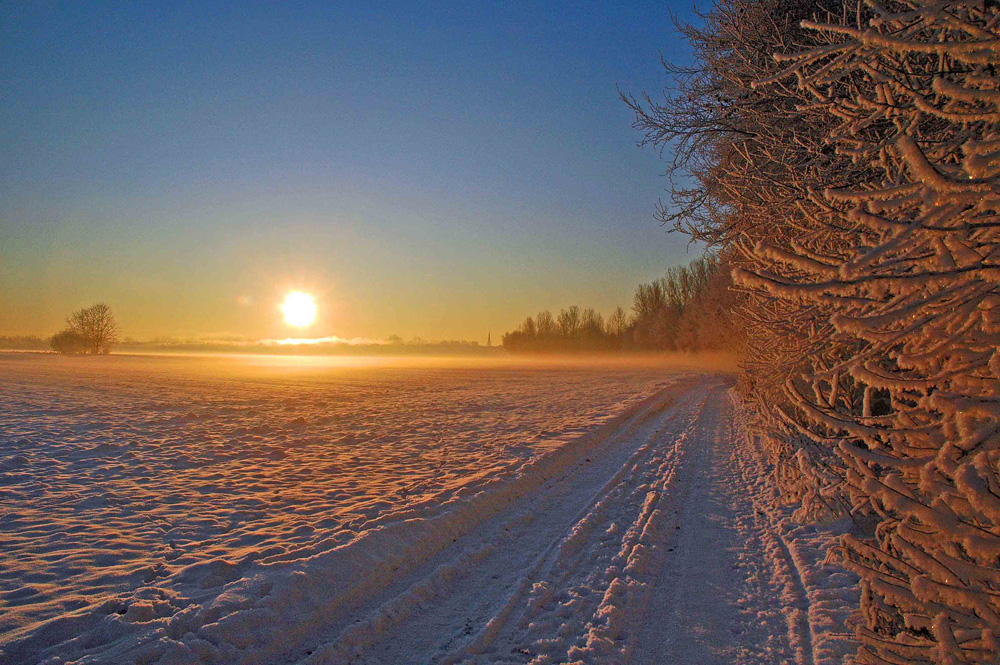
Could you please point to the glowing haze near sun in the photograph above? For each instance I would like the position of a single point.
(299, 309)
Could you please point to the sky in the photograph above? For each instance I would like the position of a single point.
(439, 170)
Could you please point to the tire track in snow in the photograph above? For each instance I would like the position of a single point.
(825, 594)
(593, 574)
(787, 571)
(714, 600)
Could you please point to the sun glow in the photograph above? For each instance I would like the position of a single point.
(299, 309)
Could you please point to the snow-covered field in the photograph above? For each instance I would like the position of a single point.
(270, 510)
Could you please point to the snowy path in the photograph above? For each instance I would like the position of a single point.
(716, 599)
(647, 549)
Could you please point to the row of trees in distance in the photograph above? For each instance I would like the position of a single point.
(685, 310)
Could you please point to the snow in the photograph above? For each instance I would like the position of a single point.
(256, 510)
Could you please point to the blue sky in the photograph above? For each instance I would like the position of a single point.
(432, 169)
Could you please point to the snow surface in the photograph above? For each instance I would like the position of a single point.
(256, 510)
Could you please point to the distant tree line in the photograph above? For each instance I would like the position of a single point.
(23, 342)
(685, 310)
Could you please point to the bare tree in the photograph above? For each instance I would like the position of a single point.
(649, 298)
(569, 321)
(96, 326)
(618, 323)
(591, 324)
(528, 327)
(545, 324)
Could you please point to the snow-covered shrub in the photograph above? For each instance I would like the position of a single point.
(68, 341)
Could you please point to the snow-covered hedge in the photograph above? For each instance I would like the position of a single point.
(865, 228)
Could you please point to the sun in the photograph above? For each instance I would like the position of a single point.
(299, 309)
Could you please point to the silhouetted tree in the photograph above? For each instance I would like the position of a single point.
(618, 323)
(649, 299)
(569, 321)
(591, 327)
(546, 325)
(94, 327)
(528, 327)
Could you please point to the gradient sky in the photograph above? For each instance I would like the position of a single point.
(432, 169)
